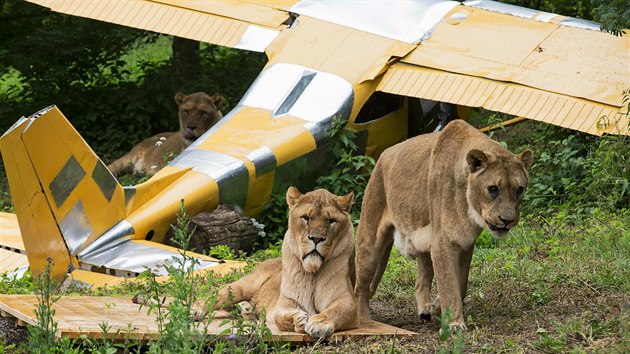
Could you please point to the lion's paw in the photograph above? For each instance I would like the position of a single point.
(300, 320)
(457, 326)
(319, 328)
(245, 309)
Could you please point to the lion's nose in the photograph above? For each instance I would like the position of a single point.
(191, 127)
(316, 239)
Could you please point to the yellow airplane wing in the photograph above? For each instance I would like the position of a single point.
(249, 25)
(533, 64)
(518, 61)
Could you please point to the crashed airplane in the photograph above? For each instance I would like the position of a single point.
(378, 66)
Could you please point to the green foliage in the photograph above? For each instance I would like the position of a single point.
(450, 345)
(10, 284)
(577, 174)
(42, 335)
(179, 333)
(274, 216)
(614, 15)
(352, 170)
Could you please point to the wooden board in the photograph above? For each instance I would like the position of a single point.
(84, 315)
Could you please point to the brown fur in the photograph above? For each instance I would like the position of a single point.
(198, 112)
(431, 197)
(313, 292)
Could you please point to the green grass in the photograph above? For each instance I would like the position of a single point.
(549, 286)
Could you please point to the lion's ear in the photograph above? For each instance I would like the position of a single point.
(476, 159)
(293, 196)
(179, 98)
(345, 202)
(218, 99)
(527, 158)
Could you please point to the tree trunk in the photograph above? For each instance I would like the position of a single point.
(185, 64)
(222, 226)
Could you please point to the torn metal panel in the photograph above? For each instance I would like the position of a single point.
(407, 21)
(136, 257)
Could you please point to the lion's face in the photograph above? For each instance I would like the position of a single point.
(319, 225)
(495, 189)
(197, 113)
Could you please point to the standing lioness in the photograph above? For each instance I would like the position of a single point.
(431, 196)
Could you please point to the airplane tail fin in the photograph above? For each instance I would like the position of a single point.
(64, 195)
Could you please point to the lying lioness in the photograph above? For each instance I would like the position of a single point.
(431, 196)
(198, 112)
(308, 289)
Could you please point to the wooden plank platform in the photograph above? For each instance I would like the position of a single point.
(83, 315)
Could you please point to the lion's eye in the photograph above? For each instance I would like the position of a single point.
(494, 191)
(332, 221)
(305, 218)
(519, 191)
(185, 113)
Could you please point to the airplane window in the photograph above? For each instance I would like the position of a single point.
(379, 105)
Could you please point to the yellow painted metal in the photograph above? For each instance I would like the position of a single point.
(64, 143)
(253, 128)
(165, 18)
(354, 55)
(156, 216)
(565, 60)
(243, 10)
(383, 132)
(38, 226)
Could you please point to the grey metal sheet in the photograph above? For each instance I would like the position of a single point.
(405, 20)
(75, 227)
(256, 38)
(136, 257)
